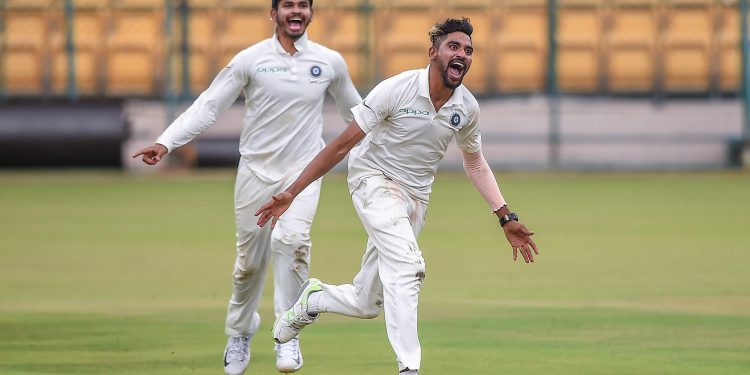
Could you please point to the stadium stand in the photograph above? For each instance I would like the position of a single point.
(130, 55)
(645, 47)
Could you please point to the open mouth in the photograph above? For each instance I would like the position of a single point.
(295, 24)
(456, 69)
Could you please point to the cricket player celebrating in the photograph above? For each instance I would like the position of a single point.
(284, 80)
(405, 125)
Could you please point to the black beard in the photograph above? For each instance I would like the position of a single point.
(448, 83)
(294, 36)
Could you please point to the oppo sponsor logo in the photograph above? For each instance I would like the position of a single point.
(410, 111)
(274, 69)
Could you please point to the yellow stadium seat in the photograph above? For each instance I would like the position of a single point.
(257, 4)
(138, 4)
(241, 28)
(729, 53)
(406, 4)
(631, 47)
(402, 40)
(204, 4)
(468, 4)
(90, 4)
(686, 44)
(521, 45)
(579, 29)
(27, 41)
(341, 29)
(29, 4)
(204, 52)
(134, 49)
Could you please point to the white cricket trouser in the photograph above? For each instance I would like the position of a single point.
(288, 246)
(392, 268)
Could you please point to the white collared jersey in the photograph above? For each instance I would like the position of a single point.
(283, 123)
(406, 138)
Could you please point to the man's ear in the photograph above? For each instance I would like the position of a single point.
(432, 52)
(273, 15)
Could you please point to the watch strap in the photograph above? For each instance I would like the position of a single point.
(506, 218)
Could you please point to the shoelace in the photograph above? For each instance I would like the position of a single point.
(238, 348)
(288, 349)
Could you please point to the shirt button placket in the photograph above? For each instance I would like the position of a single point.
(293, 68)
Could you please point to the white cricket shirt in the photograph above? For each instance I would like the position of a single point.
(283, 124)
(406, 138)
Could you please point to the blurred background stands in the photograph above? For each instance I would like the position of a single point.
(631, 74)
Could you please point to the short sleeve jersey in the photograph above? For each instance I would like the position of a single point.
(283, 125)
(406, 138)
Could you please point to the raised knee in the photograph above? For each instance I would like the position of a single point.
(371, 308)
(370, 313)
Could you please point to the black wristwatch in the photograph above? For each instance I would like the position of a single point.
(506, 218)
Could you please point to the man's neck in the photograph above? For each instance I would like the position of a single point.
(287, 43)
(439, 93)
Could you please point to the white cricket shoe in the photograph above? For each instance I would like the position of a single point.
(290, 322)
(237, 352)
(236, 355)
(288, 356)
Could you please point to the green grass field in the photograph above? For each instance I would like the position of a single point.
(105, 273)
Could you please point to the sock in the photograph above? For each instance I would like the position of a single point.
(313, 303)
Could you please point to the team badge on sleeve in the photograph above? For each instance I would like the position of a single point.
(455, 119)
(315, 71)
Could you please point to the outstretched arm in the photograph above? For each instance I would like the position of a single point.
(483, 179)
(220, 95)
(327, 158)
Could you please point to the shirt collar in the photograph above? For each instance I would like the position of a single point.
(300, 44)
(424, 89)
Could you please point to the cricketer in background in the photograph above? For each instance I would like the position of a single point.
(284, 80)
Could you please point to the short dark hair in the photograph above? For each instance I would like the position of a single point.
(450, 25)
(275, 3)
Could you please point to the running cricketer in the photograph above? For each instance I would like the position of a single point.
(284, 80)
(405, 125)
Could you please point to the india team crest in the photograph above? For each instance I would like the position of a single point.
(315, 71)
(455, 119)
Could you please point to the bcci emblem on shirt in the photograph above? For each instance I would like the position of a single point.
(455, 119)
(315, 71)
